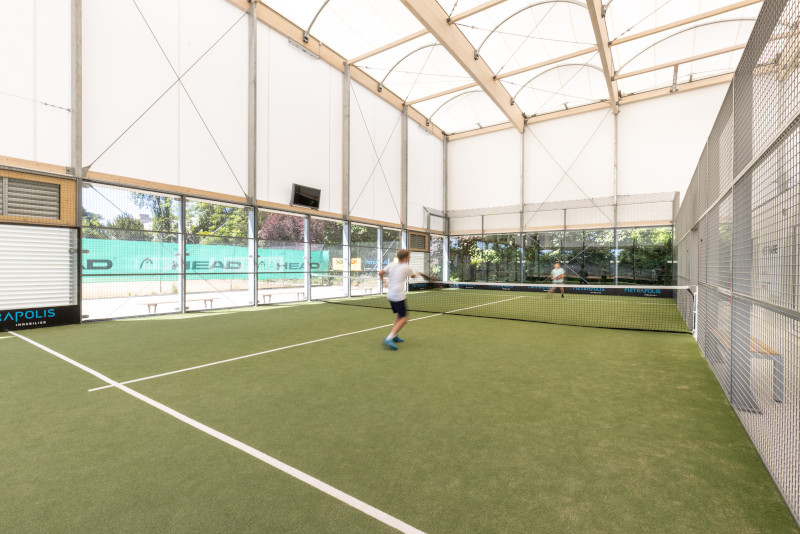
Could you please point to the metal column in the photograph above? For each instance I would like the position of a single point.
(76, 131)
(252, 181)
(346, 143)
(404, 170)
(522, 208)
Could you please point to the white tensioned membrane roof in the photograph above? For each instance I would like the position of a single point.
(545, 53)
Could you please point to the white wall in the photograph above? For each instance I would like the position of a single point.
(35, 81)
(137, 121)
(375, 150)
(484, 171)
(660, 140)
(299, 123)
(425, 174)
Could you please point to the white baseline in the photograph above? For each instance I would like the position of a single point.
(371, 511)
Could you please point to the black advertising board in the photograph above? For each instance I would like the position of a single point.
(36, 317)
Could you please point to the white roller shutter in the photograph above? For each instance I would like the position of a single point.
(37, 267)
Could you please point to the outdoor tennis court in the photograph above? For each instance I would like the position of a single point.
(474, 425)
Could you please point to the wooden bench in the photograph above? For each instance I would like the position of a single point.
(266, 298)
(758, 350)
(152, 307)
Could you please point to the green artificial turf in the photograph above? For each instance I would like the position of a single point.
(575, 309)
(474, 425)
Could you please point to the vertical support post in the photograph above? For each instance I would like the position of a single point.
(446, 220)
(616, 199)
(307, 255)
(346, 143)
(522, 207)
(380, 257)
(252, 181)
(76, 131)
(346, 258)
(404, 170)
(182, 253)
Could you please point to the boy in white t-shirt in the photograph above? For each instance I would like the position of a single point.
(396, 293)
(557, 274)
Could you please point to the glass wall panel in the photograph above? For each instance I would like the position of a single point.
(130, 261)
(542, 250)
(645, 255)
(437, 256)
(364, 259)
(219, 272)
(588, 256)
(327, 244)
(490, 258)
(392, 242)
(281, 257)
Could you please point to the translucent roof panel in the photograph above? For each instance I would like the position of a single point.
(516, 33)
(350, 27)
(416, 69)
(624, 17)
(458, 112)
(565, 85)
(687, 72)
(682, 43)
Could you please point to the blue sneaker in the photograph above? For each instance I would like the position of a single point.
(389, 343)
(397, 339)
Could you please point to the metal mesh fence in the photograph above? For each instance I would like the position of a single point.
(739, 227)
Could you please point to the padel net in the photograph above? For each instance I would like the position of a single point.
(633, 307)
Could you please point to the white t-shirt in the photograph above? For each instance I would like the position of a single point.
(397, 274)
(558, 275)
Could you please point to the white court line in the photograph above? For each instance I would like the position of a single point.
(6, 337)
(371, 511)
(292, 346)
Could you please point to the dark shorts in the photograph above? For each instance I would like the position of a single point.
(399, 308)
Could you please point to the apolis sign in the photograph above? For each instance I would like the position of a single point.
(35, 317)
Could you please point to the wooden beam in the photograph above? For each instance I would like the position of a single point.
(595, 8)
(680, 62)
(683, 22)
(666, 91)
(433, 17)
(33, 165)
(481, 131)
(629, 99)
(443, 93)
(407, 38)
(389, 46)
(280, 24)
(547, 62)
(475, 10)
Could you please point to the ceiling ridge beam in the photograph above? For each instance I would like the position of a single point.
(434, 18)
(629, 99)
(680, 61)
(596, 14)
(407, 38)
(683, 22)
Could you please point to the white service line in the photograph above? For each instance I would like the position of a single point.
(371, 511)
(5, 337)
(292, 346)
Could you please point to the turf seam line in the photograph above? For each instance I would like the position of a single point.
(341, 496)
(194, 368)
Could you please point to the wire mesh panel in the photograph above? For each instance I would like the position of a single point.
(748, 325)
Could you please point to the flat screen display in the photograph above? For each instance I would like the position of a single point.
(304, 196)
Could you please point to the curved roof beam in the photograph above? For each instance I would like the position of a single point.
(380, 84)
(581, 65)
(670, 36)
(434, 18)
(684, 22)
(535, 4)
(307, 33)
(450, 100)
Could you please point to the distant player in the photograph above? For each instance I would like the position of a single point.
(396, 293)
(557, 275)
